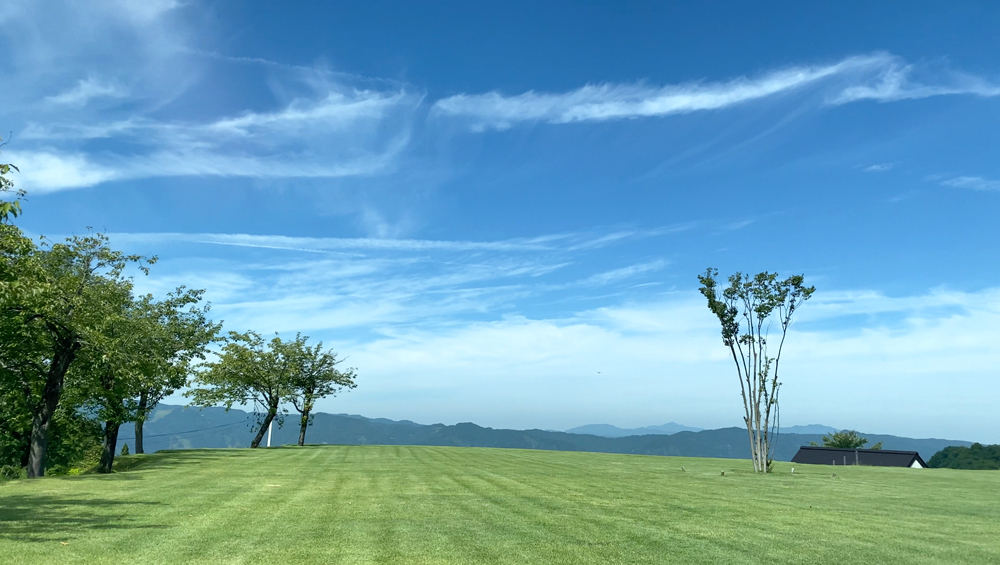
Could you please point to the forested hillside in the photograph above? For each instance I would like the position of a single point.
(976, 456)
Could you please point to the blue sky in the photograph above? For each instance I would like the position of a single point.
(498, 212)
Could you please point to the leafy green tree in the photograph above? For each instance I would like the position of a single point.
(24, 358)
(75, 344)
(846, 439)
(144, 344)
(747, 309)
(57, 296)
(314, 375)
(182, 334)
(107, 368)
(249, 370)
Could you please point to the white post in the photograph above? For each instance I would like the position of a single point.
(269, 428)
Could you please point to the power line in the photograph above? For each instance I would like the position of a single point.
(144, 436)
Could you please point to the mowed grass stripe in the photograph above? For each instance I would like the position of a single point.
(406, 504)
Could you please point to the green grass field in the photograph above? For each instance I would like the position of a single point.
(389, 504)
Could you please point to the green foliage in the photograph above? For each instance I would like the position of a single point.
(56, 298)
(976, 456)
(143, 350)
(124, 449)
(75, 440)
(75, 340)
(249, 370)
(314, 375)
(74, 437)
(10, 472)
(177, 335)
(746, 310)
(847, 439)
(9, 208)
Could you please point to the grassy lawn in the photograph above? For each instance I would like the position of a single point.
(389, 504)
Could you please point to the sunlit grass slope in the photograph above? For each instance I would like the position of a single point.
(376, 504)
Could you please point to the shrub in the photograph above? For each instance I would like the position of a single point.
(57, 470)
(10, 472)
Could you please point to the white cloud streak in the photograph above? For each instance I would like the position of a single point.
(44, 171)
(878, 168)
(880, 77)
(123, 97)
(339, 135)
(567, 242)
(369, 282)
(973, 183)
(895, 82)
(616, 275)
(84, 91)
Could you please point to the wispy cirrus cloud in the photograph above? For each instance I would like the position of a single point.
(878, 168)
(86, 90)
(623, 273)
(895, 81)
(368, 283)
(881, 77)
(973, 183)
(564, 242)
(124, 97)
(341, 134)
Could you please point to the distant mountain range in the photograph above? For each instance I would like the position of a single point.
(809, 429)
(178, 427)
(607, 430)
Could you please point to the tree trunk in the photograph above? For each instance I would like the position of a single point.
(271, 412)
(143, 400)
(138, 436)
(47, 407)
(753, 449)
(303, 424)
(110, 442)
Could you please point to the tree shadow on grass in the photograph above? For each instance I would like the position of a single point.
(44, 518)
(171, 459)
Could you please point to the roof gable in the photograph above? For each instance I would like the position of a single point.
(873, 457)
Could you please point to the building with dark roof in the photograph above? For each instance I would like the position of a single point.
(873, 457)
